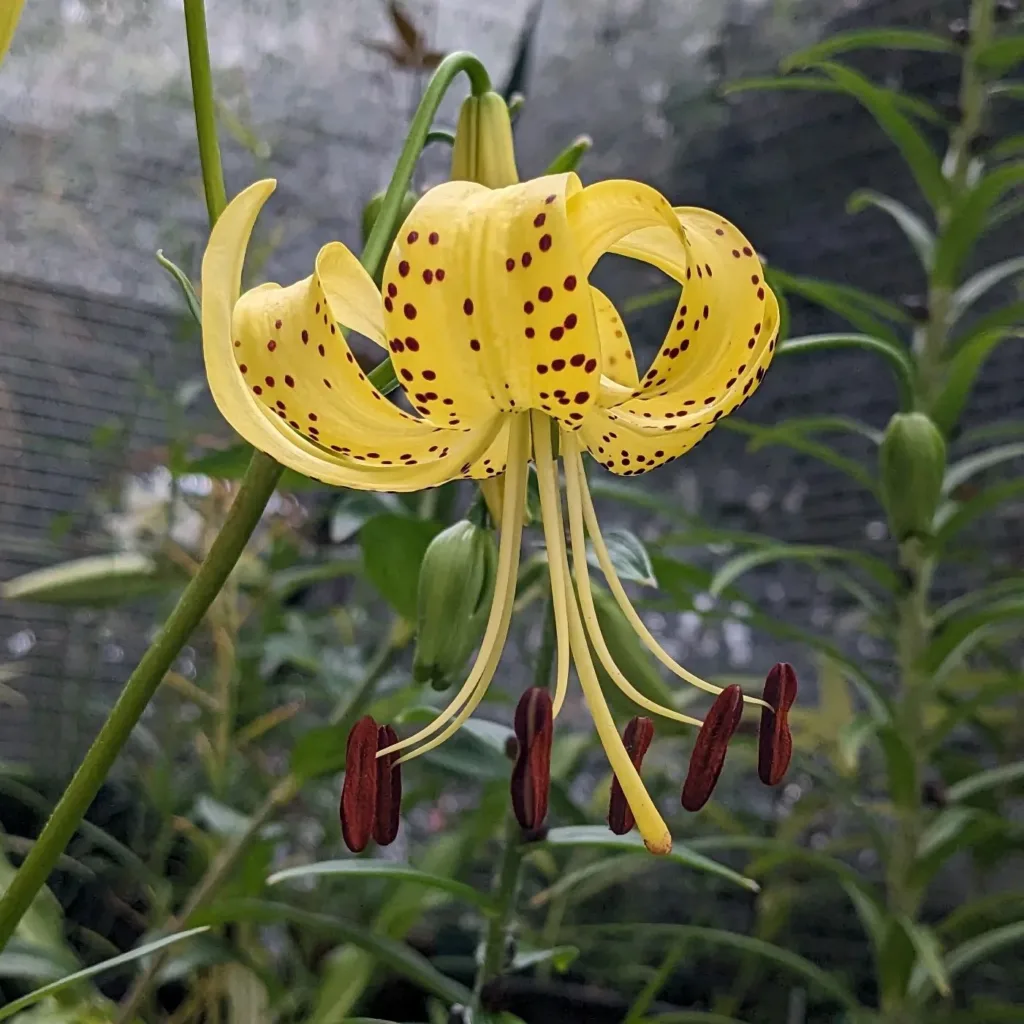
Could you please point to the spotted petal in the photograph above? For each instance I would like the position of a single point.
(486, 305)
(301, 397)
(649, 430)
(720, 318)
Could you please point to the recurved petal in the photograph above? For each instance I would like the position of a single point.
(647, 431)
(351, 293)
(602, 215)
(720, 319)
(314, 413)
(616, 440)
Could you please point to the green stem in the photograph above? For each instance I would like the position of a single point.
(506, 885)
(932, 338)
(215, 876)
(904, 896)
(205, 107)
(257, 486)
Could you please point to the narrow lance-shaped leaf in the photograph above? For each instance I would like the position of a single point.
(869, 39)
(897, 358)
(920, 157)
(963, 470)
(1004, 775)
(910, 105)
(796, 439)
(745, 944)
(929, 954)
(599, 836)
(975, 950)
(918, 233)
(969, 219)
(954, 517)
(976, 287)
(90, 972)
(961, 374)
(179, 275)
(733, 569)
(869, 313)
(390, 870)
(1003, 54)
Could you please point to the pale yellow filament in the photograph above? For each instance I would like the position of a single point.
(574, 485)
(554, 538)
(496, 630)
(619, 592)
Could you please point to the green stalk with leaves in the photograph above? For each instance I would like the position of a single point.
(946, 660)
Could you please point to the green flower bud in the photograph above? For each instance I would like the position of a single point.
(483, 149)
(453, 601)
(912, 463)
(372, 211)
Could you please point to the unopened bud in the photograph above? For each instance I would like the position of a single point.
(389, 789)
(359, 792)
(912, 464)
(531, 776)
(483, 149)
(774, 742)
(453, 601)
(711, 747)
(636, 739)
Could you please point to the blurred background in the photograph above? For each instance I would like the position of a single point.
(110, 446)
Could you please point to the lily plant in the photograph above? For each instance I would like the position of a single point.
(506, 354)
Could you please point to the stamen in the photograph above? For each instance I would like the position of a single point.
(649, 821)
(622, 598)
(636, 739)
(711, 747)
(574, 483)
(359, 792)
(389, 790)
(471, 693)
(531, 776)
(554, 538)
(774, 742)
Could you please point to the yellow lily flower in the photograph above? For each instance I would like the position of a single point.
(501, 346)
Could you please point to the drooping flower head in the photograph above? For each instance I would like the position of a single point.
(504, 349)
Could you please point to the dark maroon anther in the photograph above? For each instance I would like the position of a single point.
(389, 789)
(774, 742)
(711, 747)
(531, 775)
(359, 792)
(636, 739)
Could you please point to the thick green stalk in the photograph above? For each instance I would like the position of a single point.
(205, 108)
(914, 624)
(506, 886)
(257, 486)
